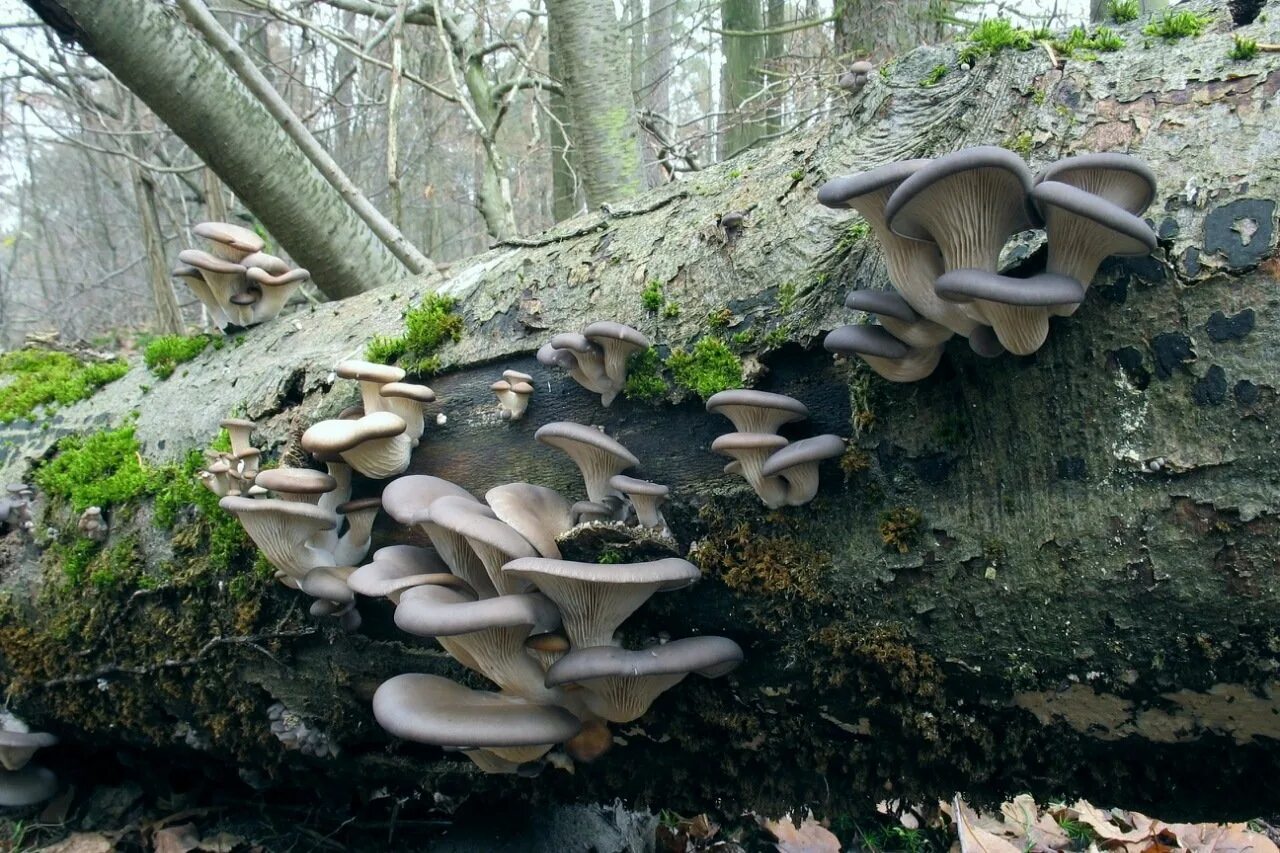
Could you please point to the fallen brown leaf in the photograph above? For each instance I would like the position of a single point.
(81, 842)
(176, 839)
(974, 838)
(1101, 824)
(1225, 838)
(809, 837)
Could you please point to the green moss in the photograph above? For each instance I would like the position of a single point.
(427, 327)
(853, 462)
(1020, 144)
(1243, 49)
(935, 75)
(1038, 97)
(182, 501)
(671, 310)
(743, 339)
(900, 528)
(651, 296)
(719, 318)
(101, 469)
(854, 233)
(32, 378)
(787, 297)
(610, 557)
(1123, 11)
(709, 368)
(644, 377)
(1082, 44)
(163, 354)
(797, 175)
(777, 336)
(1172, 26)
(994, 35)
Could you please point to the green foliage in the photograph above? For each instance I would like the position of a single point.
(787, 297)
(644, 377)
(177, 488)
(1079, 833)
(1038, 97)
(1020, 144)
(671, 310)
(101, 469)
(777, 336)
(1243, 49)
(994, 35)
(1124, 11)
(1079, 43)
(710, 368)
(426, 328)
(51, 379)
(797, 175)
(163, 354)
(719, 318)
(610, 557)
(651, 296)
(893, 839)
(743, 339)
(1172, 26)
(935, 75)
(853, 234)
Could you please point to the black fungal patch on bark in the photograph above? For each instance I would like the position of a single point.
(1241, 231)
(1245, 11)
(1071, 468)
(1129, 361)
(1172, 351)
(1246, 393)
(1212, 389)
(1234, 328)
(1169, 228)
(1191, 261)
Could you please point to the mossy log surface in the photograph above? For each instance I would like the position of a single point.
(1079, 591)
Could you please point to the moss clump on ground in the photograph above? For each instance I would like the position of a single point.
(162, 355)
(427, 327)
(900, 528)
(1243, 49)
(1172, 26)
(1124, 11)
(644, 377)
(751, 562)
(709, 368)
(934, 76)
(32, 378)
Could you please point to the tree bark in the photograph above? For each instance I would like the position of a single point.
(875, 29)
(605, 132)
(740, 77)
(1080, 594)
(184, 82)
(564, 179)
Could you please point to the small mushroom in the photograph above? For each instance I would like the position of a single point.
(375, 445)
(618, 342)
(595, 599)
(389, 578)
(885, 354)
(620, 685)
(276, 289)
(588, 361)
(597, 456)
(797, 463)
(328, 584)
(282, 530)
(409, 402)
(750, 450)
(26, 787)
(645, 497)
(360, 515)
(757, 411)
(855, 79)
(92, 525)
(296, 484)
(1021, 334)
(240, 431)
(410, 500)
(227, 241)
(372, 377)
(537, 513)
(513, 396)
(223, 278)
(194, 280)
(589, 512)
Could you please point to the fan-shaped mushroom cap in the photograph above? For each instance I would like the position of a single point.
(645, 496)
(281, 529)
(296, 484)
(587, 365)
(585, 512)
(622, 684)
(896, 314)
(388, 578)
(885, 354)
(328, 583)
(493, 541)
(552, 357)
(224, 278)
(486, 635)
(1023, 333)
(547, 647)
(912, 265)
(375, 445)
(757, 411)
(537, 513)
(265, 262)
(435, 710)
(515, 376)
(408, 499)
(750, 450)
(240, 431)
(797, 463)
(27, 786)
(276, 290)
(232, 242)
(1119, 178)
(408, 401)
(372, 377)
(194, 280)
(360, 514)
(17, 744)
(595, 599)
(618, 341)
(1083, 229)
(513, 395)
(597, 455)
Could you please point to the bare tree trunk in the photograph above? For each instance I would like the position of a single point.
(168, 315)
(393, 115)
(215, 203)
(740, 76)
(657, 83)
(594, 70)
(184, 82)
(879, 29)
(564, 182)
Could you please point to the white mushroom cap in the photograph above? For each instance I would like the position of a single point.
(281, 530)
(375, 445)
(597, 455)
(595, 599)
(232, 242)
(750, 450)
(18, 743)
(757, 411)
(296, 484)
(27, 786)
(618, 341)
(537, 513)
(372, 377)
(409, 402)
(493, 541)
(797, 463)
(645, 497)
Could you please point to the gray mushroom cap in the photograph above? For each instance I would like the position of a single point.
(757, 411)
(408, 499)
(865, 340)
(388, 578)
(27, 786)
(494, 542)
(1038, 290)
(574, 342)
(552, 357)
(1135, 236)
(597, 455)
(846, 190)
(1119, 178)
(535, 512)
(985, 343)
(328, 583)
(710, 657)
(862, 66)
(295, 481)
(338, 436)
(368, 371)
(439, 611)
(881, 302)
(231, 239)
(516, 377)
(435, 710)
(632, 486)
(803, 452)
(17, 746)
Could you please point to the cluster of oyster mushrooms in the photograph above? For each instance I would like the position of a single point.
(781, 472)
(15, 508)
(304, 521)
(495, 592)
(943, 224)
(513, 391)
(596, 357)
(23, 783)
(239, 283)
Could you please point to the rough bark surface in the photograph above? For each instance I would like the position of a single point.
(152, 52)
(1087, 607)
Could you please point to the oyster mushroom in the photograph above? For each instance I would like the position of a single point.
(617, 341)
(537, 513)
(893, 312)
(1118, 178)
(884, 353)
(375, 445)
(597, 455)
(757, 411)
(749, 450)
(227, 241)
(371, 377)
(493, 541)
(645, 497)
(408, 401)
(797, 463)
(296, 484)
(282, 530)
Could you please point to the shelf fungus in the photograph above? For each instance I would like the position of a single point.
(494, 591)
(596, 358)
(239, 284)
(943, 224)
(781, 472)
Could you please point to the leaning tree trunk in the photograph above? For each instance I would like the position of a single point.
(1082, 589)
(740, 76)
(872, 28)
(152, 52)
